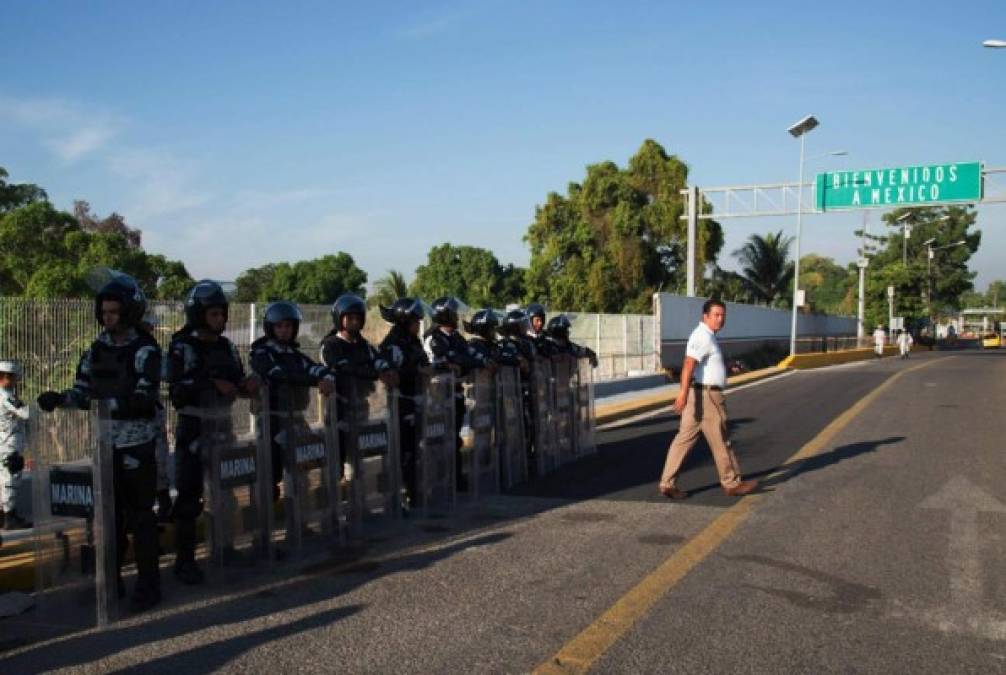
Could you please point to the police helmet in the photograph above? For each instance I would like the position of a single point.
(403, 312)
(446, 311)
(123, 289)
(10, 366)
(515, 322)
(484, 323)
(559, 327)
(536, 309)
(204, 294)
(348, 303)
(282, 310)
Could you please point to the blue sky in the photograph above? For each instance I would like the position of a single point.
(240, 133)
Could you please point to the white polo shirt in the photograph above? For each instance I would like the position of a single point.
(702, 347)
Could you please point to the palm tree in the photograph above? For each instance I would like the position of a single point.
(389, 288)
(766, 268)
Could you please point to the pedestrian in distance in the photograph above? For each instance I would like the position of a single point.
(13, 417)
(879, 338)
(905, 343)
(123, 366)
(701, 404)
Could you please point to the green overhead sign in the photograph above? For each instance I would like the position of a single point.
(899, 186)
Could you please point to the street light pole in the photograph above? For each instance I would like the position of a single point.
(798, 130)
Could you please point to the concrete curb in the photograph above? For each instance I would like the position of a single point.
(822, 359)
(613, 412)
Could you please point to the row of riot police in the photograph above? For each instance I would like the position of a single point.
(368, 431)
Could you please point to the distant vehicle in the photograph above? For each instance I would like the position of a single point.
(991, 341)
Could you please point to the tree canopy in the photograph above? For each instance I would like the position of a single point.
(319, 281)
(903, 264)
(766, 268)
(828, 285)
(616, 238)
(470, 273)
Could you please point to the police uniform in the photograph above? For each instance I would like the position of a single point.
(128, 374)
(405, 353)
(193, 364)
(290, 374)
(13, 415)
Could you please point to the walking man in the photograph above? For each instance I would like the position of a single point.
(879, 337)
(905, 342)
(703, 410)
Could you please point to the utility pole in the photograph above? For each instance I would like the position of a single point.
(862, 264)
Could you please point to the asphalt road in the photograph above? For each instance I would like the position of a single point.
(881, 553)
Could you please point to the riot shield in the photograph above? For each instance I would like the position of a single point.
(563, 373)
(510, 428)
(371, 420)
(236, 483)
(479, 452)
(76, 566)
(542, 409)
(310, 466)
(584, 406)
(435, 470)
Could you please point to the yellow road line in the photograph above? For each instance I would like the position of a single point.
(582, 652)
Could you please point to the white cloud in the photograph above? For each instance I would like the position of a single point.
(70, 131)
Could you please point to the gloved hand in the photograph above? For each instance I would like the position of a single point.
(592, 357)
(14, 462)
(163, 506)
(49, 400)
(17, 403)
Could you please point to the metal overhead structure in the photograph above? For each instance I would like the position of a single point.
(782, 199)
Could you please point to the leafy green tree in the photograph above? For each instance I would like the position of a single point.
(947, 277)
(14, 195)
(389, 288)
(470, 273)
(828, 285)
(727, 286)
(612, 241)
(766, 268)
(252, 284)
(45, 253)
(319, 281)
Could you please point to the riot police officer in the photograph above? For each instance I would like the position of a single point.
(483, 328)
(123, 365)
(559, 343)
(448, 350)
(204, 371)
(406, 354)
(536, 328)
(276, 358)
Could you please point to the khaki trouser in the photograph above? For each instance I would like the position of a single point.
(704, 412)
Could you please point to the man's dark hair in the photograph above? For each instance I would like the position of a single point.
(708, 305)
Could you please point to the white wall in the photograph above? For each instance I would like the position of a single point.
(679, 315)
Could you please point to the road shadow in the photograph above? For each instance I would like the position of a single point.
(633, 455)
(260, 596)
(776, 475)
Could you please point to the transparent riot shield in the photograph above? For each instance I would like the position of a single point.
(481, 469)
(542, 409)
(237, 483)
(310, 465)
(564, 372)
(371, 417)
(584, 404)
(510, 428)
(435, 469)
(76, 566)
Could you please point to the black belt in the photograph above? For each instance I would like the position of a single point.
(708, 387)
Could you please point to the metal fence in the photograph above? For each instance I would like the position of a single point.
(48, 338)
